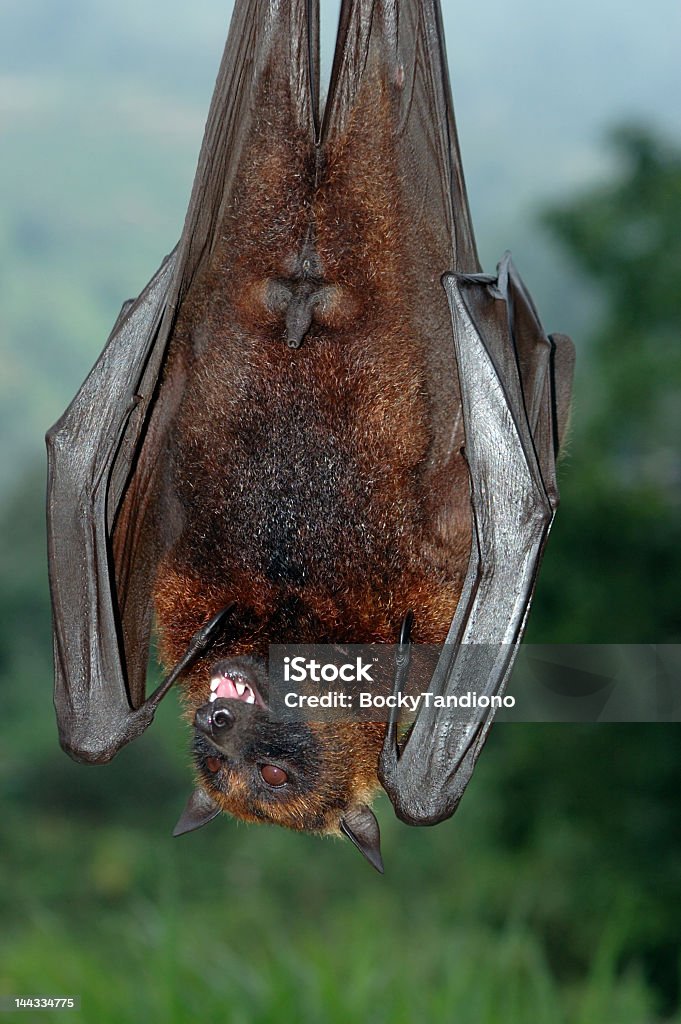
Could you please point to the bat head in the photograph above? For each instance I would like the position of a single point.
(309, 776)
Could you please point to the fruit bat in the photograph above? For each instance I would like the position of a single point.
(320, 422)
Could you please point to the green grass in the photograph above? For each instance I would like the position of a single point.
(176, 958)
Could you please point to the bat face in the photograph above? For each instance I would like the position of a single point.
(312, 777)
(277, 427)
(304, 776)
(295, 774)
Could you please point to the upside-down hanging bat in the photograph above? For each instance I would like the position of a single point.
(318, 423)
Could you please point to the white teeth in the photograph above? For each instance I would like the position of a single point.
(243, 691)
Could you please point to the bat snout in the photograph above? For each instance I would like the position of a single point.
(222, 719)
(226, 724)
(215, 719)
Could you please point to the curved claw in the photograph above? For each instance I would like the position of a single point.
(405, 631)
(208, 634)
(391, 752)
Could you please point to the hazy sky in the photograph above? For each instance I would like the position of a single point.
(542, 77)
(535, 83)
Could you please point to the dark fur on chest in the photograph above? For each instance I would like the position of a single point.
(297, 483)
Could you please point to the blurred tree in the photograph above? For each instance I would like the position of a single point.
(607, 811)
(24, 598)
(613, 571)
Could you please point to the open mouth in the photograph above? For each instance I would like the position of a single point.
(234, 683)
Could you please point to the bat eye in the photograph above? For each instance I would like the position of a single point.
(273, 775)
(213, 764)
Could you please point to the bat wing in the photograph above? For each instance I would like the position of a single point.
(515, 388)
(395, 51)
(91, 452)
(106, 534)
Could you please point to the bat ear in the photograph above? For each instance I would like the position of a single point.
(361, 828)
(198, 811)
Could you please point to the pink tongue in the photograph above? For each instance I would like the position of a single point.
(226, 688)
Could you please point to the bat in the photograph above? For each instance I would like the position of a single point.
(320, 422)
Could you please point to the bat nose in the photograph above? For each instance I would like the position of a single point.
(214, 719)
(222, 719)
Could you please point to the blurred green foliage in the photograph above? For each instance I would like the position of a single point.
(553, 894)
(613, 567)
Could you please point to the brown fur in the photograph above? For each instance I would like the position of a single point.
(316, 487)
